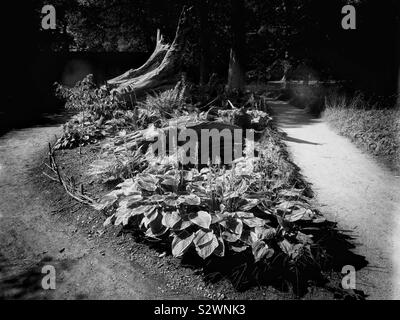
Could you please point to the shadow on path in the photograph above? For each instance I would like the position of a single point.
(295, 140)
(290, 117)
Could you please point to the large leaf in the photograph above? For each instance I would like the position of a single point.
(170, 219)
(151, 234)
(220, 250)
(238, 247)
(205, 250)
(217, 217)
(249, 219)
(242, 187)
(243, 214)
(182, 225)
(134, 199)
(264, 233)
(233, 229)
(190, 175)
(171, 200)
(147, 182)
(191, 200)
(204, 170)
(261, 251)
(300, 214)
(201, 218)
(293, 193)
(249, 237)
(148, 219)
(286, 247)
(203, 237)
(170, 181)
(251, 203)
(181, 243)
(108, 221)
(254, 222)
(156, 198)
(304, 238)
(198, 188)
(156, 228)
(126, 183)
(146, 210)
(122, 214)
(131, 190)
(293, 250)
(107, 201)
(128, 187)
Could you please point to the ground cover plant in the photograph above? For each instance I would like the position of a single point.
(370, 124)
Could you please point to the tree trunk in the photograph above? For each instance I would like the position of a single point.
(398, 63)
(161, 70)
(204, 41)
(152, 63)
(236, 73)
(236, 76)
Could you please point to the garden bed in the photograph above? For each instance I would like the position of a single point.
(179, 275)
(250, 221)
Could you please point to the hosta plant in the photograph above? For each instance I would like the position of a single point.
(212, 210)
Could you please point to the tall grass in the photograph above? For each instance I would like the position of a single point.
(366, 123)
(166, 104)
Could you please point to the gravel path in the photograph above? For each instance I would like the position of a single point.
(354, 190)
(30, 237)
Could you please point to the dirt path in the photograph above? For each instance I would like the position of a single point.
(354, 191)
(31, 238)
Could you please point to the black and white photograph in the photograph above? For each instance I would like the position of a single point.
(202, 155)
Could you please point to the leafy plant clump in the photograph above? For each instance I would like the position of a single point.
(163, 105)
(84, 129)
(99, 114)
(214, 209)
(85, 96)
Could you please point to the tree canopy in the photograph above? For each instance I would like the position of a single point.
(279, 34)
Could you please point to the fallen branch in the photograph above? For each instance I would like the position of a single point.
(67, 183)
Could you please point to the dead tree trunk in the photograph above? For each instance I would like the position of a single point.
(161, 71)
(398, 62)
(204, 40)
(152, 63)
(236, 73)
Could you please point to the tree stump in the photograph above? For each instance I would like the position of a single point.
(161, 70)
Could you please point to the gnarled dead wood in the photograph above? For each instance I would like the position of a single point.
(161, 71)
(152, 63)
